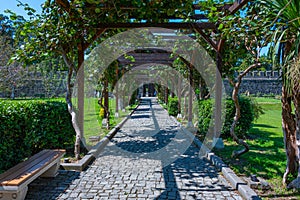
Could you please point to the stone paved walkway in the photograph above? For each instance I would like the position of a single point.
(149, 158)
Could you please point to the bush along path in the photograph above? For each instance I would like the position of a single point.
(29, 126)
(149, 158)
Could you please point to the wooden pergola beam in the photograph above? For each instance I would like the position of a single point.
(238, 4)
(147, 58)
(64, 4)
(165, 16)
(150, 55)
(143, 62)
(95, 36)
(169, 25)
(217, 46)
(220, 7)
(212, 43)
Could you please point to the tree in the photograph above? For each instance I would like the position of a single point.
(109, 77)
(16, 77)
(286, 56)
(6, 42)
(241, 35)
(11, 75)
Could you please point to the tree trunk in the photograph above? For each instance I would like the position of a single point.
(190, 103)
(123, 93)
(172, 94)
(70, 104)
(185, 107)
(179, 97)
(80, 79)
(117, 93)
(237, 116)
(144, 90)
(235, 92)
(296, 101)
(74, 120)
(166, 95)
(202, 87)
(106, 103)
(81, 47)
(290, 128)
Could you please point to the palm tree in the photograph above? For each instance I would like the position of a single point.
(286, 55)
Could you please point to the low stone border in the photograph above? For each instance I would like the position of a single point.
(237, 183)
(95, 151)
(80, 165)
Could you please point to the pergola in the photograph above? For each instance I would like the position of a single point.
(199, 24)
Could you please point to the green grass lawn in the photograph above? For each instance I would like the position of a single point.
(267, 157)
(92, 123)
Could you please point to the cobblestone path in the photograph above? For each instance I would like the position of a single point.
(149, 158)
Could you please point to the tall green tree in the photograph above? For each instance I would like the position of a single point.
(6, 49)
(286, 56)
(11, 75)
(241, 34)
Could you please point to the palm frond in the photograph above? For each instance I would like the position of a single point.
(286, 40)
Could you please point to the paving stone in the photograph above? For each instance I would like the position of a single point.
(237, 197)
(104, 198)
(74, 195)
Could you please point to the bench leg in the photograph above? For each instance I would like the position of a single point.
(13, 195)
(52, 171)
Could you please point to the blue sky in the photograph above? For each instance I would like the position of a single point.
(12, 5)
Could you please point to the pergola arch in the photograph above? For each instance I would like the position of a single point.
(198, 22)
(184, 52)
(156, 57)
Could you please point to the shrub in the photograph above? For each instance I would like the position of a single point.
(160, 97)
(30, 126)
(173, 106)
(101, 113)
(205, 111)
(249, 111)
(12, 134)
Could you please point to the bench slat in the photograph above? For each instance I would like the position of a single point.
(23, 168)
(20, 173)
(33, 170)
(10, 172)
(20, 165)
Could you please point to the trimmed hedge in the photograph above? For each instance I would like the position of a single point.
(248, 113)
(173, 106)
(32, 125)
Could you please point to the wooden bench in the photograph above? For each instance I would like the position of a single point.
(14, 182)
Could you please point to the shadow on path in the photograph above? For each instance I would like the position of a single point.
(149, 158)
(52, 188)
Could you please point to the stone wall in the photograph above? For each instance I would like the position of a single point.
(37, 85)
(54, 85)
(259, 83)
